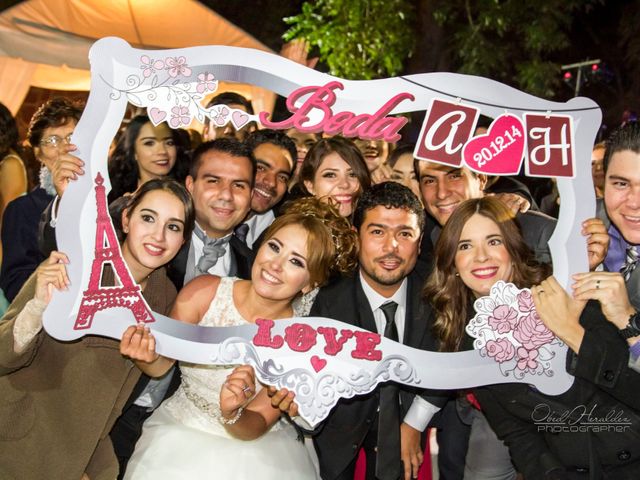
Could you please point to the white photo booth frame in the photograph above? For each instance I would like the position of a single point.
(301, 354)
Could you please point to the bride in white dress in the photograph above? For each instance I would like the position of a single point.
(220, 424)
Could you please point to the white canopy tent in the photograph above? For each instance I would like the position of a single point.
(45, 43)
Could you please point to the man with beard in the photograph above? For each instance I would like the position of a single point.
(275, 155)
(383, 296)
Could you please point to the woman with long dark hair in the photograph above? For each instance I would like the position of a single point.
(479, 245)
(61, 399)
(145, 151)
(13, 175)
(334, 170)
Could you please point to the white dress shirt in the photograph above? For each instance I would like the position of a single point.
(258, 224)
(421, 411)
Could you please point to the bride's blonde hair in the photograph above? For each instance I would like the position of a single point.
(332, 245)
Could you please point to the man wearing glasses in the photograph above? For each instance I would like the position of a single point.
(49, 134)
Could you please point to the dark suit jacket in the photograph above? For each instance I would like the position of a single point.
(21, 255)
(343, 432)
(605, 390)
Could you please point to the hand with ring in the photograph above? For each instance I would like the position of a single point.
(609, 289)
(237, 391)
(559, 312)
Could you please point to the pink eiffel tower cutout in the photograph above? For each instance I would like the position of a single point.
(96, 297)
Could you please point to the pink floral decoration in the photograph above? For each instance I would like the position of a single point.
(527, 359)
(525, 301)
(501, 350)
(504, 319)
(221, 117)
(179, 116)
(531, 332)
(177, 66)
(206, 82)
(150, 65)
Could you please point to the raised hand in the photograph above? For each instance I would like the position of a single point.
(513, 201)
(597, 241)
(138, 344)
(66, 168)
(283, 400)
(237, 391)
(559, 312)
(52, 273)
(609, 289)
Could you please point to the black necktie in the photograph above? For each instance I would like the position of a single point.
(630, 262)
(388, 464)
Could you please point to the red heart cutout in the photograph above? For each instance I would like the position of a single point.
(318, 363)
(499, 151)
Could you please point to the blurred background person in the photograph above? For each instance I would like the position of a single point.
(335, 170)
(49, 135)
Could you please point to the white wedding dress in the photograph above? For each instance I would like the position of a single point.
(182, 440)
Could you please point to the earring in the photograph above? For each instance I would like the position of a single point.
(457, 274)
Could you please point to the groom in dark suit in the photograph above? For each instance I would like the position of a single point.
(383, 296)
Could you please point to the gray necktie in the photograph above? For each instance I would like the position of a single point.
(213, 249)
(630, 262)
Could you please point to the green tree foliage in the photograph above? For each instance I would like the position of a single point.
(357, 39)
(513, 41)
(518, 42)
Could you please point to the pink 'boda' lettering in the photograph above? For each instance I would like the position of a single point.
(376, 126)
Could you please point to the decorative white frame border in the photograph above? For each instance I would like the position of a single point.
(115, 65)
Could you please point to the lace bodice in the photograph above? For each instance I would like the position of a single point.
(205, 381)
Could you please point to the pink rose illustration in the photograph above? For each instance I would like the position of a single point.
(501, 350)
(525, 301)
(179, 116)
(177, 66)
(504, 318)
(149, 65)
(531, 332)
(527, 359)
(206, 82)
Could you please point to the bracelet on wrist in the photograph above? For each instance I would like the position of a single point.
(232, 420)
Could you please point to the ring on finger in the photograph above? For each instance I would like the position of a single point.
(246, 389)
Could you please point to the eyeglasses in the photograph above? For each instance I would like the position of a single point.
(55, 141)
